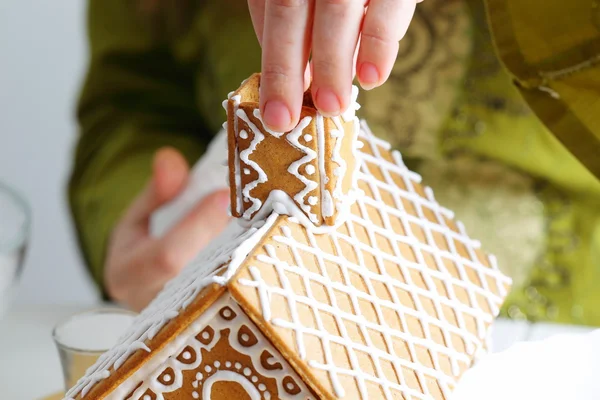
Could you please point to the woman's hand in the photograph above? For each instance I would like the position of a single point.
(138, 265)
(328, 31)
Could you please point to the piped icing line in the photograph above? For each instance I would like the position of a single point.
(336, 157)
(148, 375)
(238, 180)
(217, 263)
(350, 112)
(228, 376)
(281, 203)
(338, 200)
(327, 206)
(473, 342)
(245, 157)
(309, 156)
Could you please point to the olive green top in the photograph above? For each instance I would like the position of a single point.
(460, 119)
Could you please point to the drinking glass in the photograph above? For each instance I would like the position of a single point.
(15, 222)
(82, 338)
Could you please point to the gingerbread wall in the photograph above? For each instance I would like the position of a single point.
(307, 172)
(226, 358)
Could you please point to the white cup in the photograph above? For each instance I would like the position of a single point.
(82, 338)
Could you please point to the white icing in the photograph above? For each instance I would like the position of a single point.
(319, 123)
(246, 171)
(245, 157)
(350, 113)
(281, 287)
(338, 201)
(280, 203)
(294, 168)
(167, 358)
(217, 263)
(229, 376)
(336, 157)
(334, 201)
(236, 161)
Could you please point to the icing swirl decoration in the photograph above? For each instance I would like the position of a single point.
(234, 356)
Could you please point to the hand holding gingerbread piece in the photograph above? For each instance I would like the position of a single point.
(307, 173)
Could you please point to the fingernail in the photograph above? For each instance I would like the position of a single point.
(368, 76)
(277, 116)
(327, 102)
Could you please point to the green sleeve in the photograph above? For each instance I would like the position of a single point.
(552, 50)
(136, 98)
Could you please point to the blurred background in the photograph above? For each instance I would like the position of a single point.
(39, 81)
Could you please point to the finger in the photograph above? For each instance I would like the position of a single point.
(169, 176)
(257, 13)
(307, 76)
(135, 276)
(384, 26)
(355, 58)
(285, 53)
(335, 33)
(195, 231)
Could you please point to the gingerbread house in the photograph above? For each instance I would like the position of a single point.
(342, 278)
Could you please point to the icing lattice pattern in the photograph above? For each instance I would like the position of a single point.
(394, 303)
(407, 306)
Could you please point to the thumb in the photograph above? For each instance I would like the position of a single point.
(206, 221)
(169, 176)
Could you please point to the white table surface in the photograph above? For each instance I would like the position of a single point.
(30, 369)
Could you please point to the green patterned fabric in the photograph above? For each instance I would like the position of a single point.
(449, 106)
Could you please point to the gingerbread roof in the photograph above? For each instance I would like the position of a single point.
(393, 303)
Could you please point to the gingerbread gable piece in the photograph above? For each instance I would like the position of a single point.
(393, 302)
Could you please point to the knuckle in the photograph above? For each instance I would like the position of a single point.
(381, 34)
(326, 67)
(275, 71)
(276, 77)
(290, 3)
(338, 2)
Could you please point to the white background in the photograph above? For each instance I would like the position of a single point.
(42, 59)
